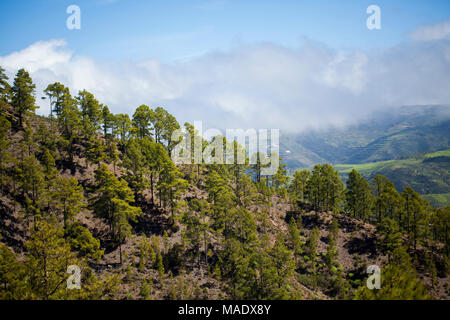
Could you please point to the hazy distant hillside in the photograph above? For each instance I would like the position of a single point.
(427, 173)
(384, 136)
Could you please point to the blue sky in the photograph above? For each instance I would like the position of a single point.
(171, 30)
(293, 65)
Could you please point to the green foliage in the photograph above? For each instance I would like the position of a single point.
(280, 178)
(67, 198)
(48, 256)
(298, 184)
(197, 225)
(423, 172)
(122, 127)
(359, 198)
(145, 290)
(142, 119)
(414, 215)
(324, 188)
(113, 203)
(294, 239)
(398, 281)
(58, 95)
(226, 214)
(90, 112)
(23, 94)
(107, 121)
(82, 241)
(70, 124)
(5, 88)
(331, 256)
(33, 186)
(134, 161)
(387, 202)
(159, 265)
(146, 253)
(12, 284)
(5, 143)
(440, 228)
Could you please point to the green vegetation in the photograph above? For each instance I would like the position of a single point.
(100, 191)
(427, 173)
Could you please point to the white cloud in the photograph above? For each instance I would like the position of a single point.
(38, 56)
(433, 32)
(253, 86)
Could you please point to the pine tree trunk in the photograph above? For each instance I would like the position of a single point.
(120, 252)
(151, 187)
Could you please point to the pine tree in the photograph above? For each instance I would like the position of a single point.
(68, 199)
(170, 124)
(312, 253)
(113, 155)
(197, 224)
(440, 227)
(331, 256)
(5, 143)
(160, 266)
(5, 87)
(158, 123)
(294, 239)
(312, 188)
(122, 127)
(414, 211)
(113, 202)
(171, 184)
(398, 281)
(23, 94)
(33, 187)
(57, 94)
(280, 178)
(145, 290)
(13, 285)
(298, 184)
(236, 268)
(325, 188)
(47, 259)
(134, 161)
(390, 232)
(46, 139)
(358, 196)
(82, 241)
(122, 213)
(282, 260)
(388, 202)
(70, 124)
(90, 112)
(142, 119)
(107, 121)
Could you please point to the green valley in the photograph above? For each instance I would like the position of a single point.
(427, 173)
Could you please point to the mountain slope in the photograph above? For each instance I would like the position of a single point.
(383, 136)
(427, 173)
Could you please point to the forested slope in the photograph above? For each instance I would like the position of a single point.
(98, 190)
(427, 173)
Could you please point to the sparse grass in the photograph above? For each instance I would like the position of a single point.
(365, 167)
(443, 153)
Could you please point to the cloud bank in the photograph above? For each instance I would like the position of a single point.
(257, 86)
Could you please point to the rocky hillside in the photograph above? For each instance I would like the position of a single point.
(99, 191)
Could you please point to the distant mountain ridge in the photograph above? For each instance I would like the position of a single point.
(384, 136)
